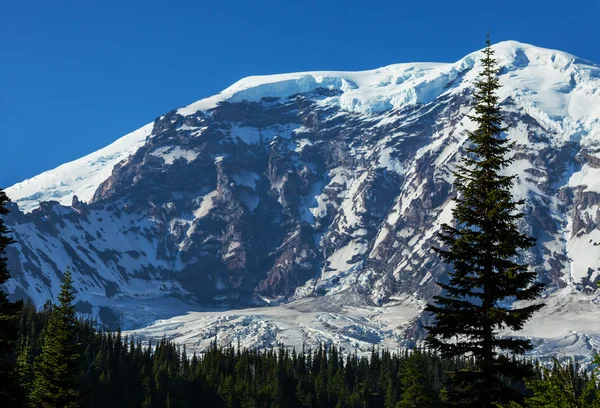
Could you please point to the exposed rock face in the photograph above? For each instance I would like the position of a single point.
(313, 184)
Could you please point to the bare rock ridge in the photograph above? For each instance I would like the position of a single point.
(310, 184)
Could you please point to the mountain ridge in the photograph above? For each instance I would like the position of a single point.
(329, 184)
(308, 80)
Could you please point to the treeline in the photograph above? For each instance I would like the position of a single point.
(109, 370)
(115, 371)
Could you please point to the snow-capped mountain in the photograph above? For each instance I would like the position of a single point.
(327, 184)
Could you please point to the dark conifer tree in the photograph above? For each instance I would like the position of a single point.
(416, 389)
(58, 370)
(24, 371)
(483, 248)
(564, 386)
(8, 317)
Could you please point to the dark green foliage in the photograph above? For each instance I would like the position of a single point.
(564, 386)
(58, 369)
(8, 317)
(483, 249)
(225, 377)
(417, 391)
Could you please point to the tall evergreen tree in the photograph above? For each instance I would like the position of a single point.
(483, 249)
(8, 317)
(58, 369)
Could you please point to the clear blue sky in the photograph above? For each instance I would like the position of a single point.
(76, 75)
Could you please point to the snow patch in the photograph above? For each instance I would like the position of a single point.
(208, 203)
(171, 153)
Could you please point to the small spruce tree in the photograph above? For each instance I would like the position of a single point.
(416, 387)
(57, 370)
(483, 249)
(8, 317)
(563, 386)
(23, 370)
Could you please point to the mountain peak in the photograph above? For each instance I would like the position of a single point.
(553, 82)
